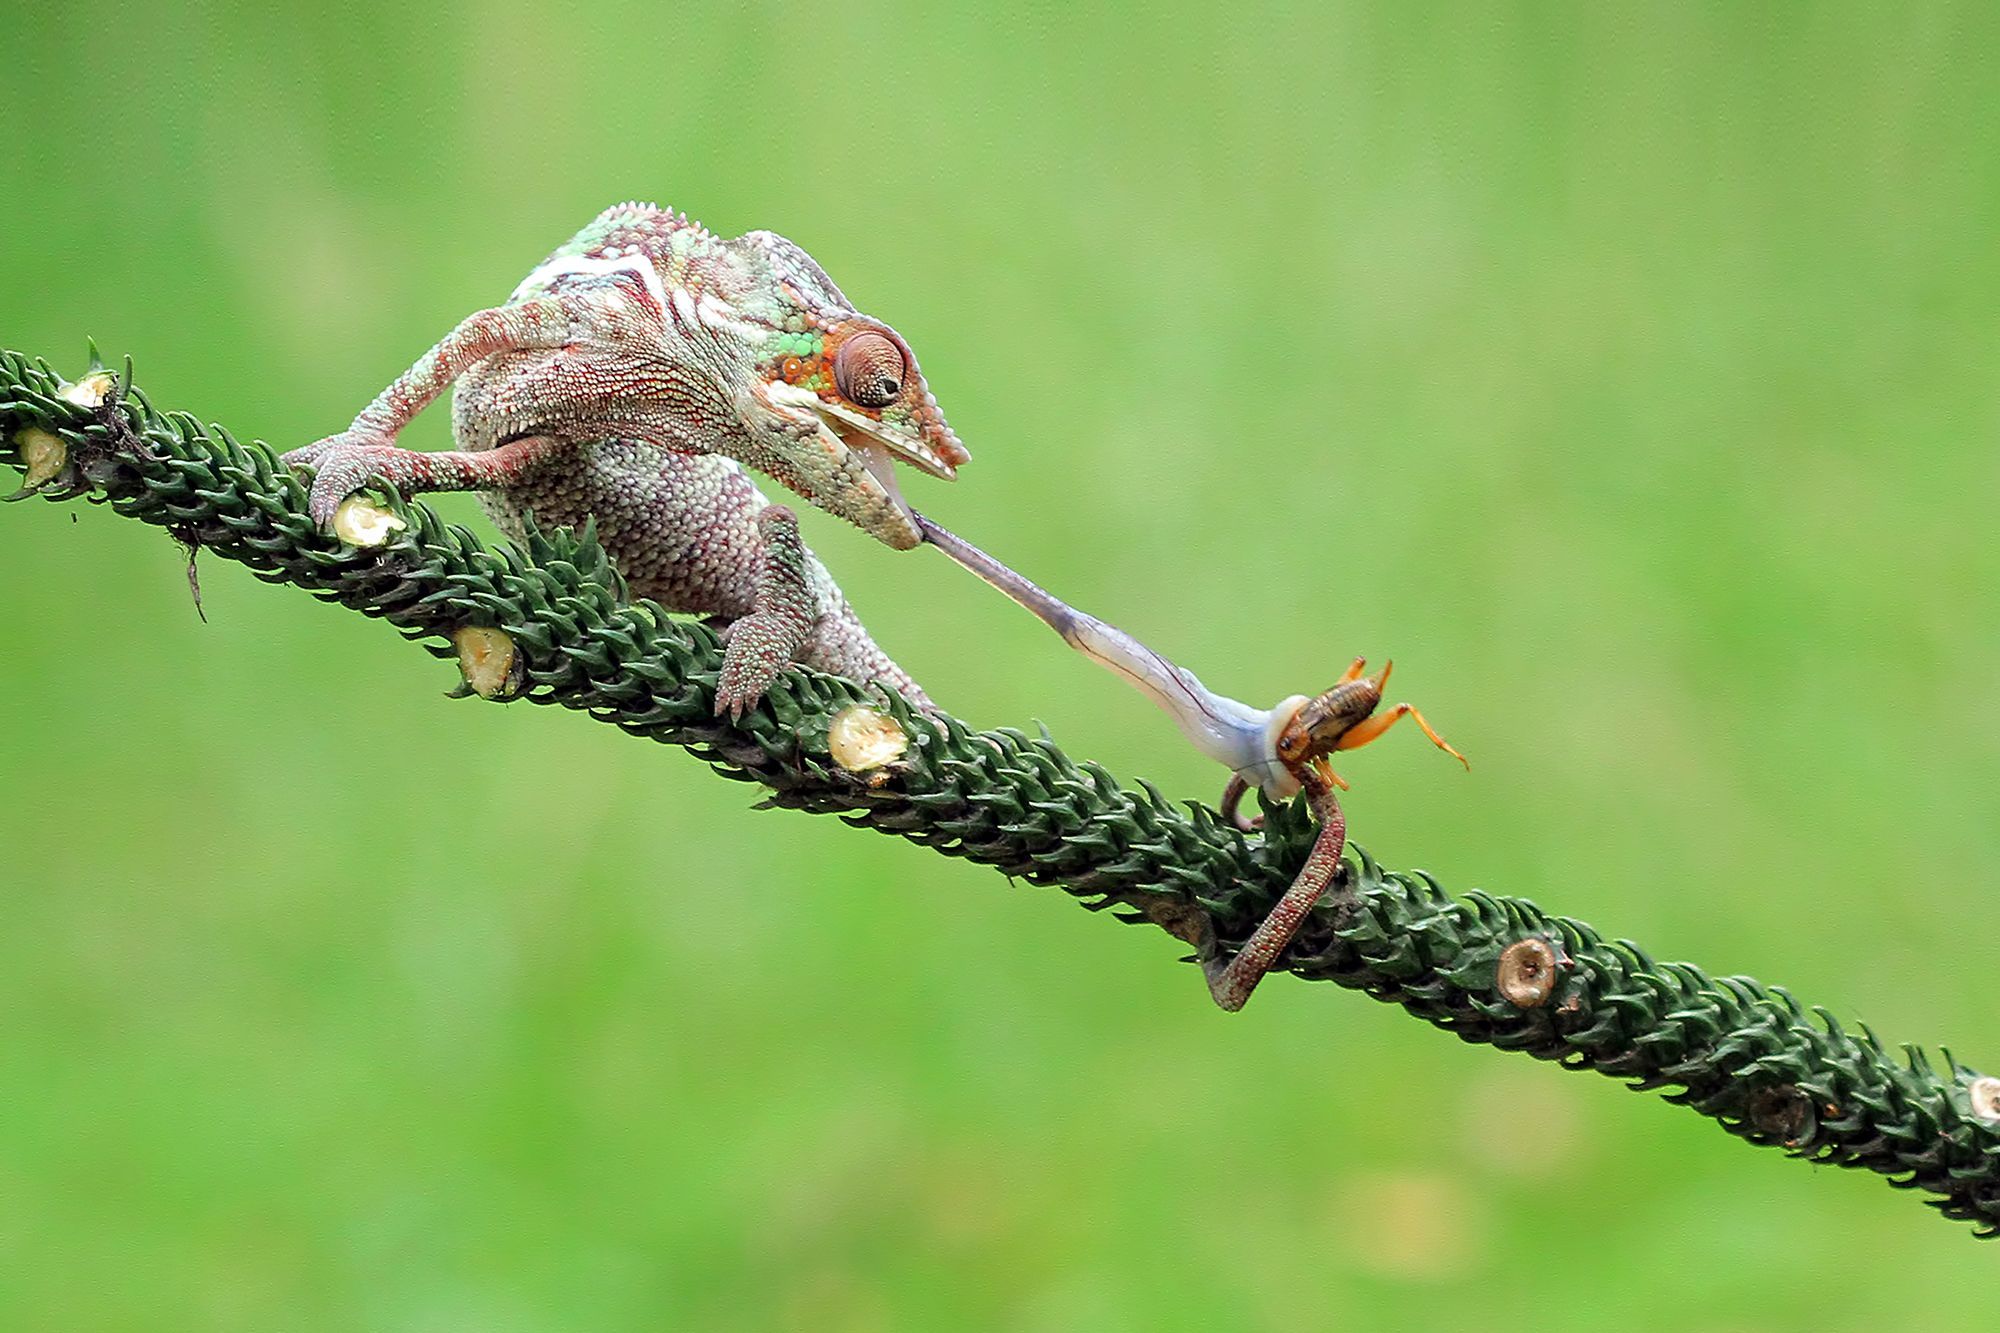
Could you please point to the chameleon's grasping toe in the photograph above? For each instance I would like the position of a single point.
(630, 379)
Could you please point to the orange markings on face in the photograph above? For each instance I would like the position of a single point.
(809, 372)
(863, 361)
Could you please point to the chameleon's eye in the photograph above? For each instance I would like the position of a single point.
(868, 370)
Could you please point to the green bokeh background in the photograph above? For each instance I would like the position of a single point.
(1627, 373)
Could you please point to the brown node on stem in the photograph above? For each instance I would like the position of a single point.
(1526, 974)
(865, 740)
(1783, 1112)
(488, 660)
(365, 524)
(43, 457)
(1185, 921)
(93, 390)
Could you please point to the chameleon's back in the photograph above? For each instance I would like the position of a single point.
(684, 255)
(745, 273)
(633, 229)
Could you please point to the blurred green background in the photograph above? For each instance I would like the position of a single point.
(1627, 373)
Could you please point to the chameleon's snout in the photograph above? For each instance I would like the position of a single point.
(937, 457)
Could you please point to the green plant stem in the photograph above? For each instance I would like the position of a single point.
(1744, 1054)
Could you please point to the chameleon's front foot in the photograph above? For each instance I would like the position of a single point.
(769, 639)
(342, 464)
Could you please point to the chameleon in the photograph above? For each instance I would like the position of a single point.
(630, 380)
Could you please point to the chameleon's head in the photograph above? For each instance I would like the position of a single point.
(843, 402)
(853, 405)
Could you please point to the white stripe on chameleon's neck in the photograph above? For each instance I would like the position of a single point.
(719, 315)
(564, 265)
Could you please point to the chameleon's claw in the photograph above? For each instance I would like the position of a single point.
(751, 661)
(342, 464)
(308, 455)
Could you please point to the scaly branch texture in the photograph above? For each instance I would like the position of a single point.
(1494, 970)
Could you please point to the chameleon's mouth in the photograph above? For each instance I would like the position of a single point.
(856, 431)
(880, 448)
(881, 465)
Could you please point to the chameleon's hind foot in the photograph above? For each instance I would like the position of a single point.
(770, 638)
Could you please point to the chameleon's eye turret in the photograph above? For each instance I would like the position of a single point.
(868, 370)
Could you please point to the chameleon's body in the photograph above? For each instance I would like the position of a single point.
(683, 530)
(625, 381)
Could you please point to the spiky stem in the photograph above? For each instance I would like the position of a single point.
(1498, 971)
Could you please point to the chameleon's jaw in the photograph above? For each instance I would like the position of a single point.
(850, 470)
(899, 525)
(882, 466)
(852, 428)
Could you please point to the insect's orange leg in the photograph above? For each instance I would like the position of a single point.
(1363, 732)
(1354, 670)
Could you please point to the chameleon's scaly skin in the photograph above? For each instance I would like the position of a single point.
(629, 380)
